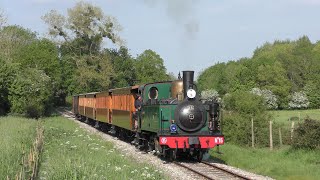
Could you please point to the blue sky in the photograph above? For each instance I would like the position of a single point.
(189, 34)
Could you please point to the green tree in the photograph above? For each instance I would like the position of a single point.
(3, 19)
(84, 28)
(213, 78)
(93, 73)
(12, 39)
(31, 93)
(43, 55)
(239, 108)
(7, 75)
(124, 69)
(273, 77)
(150, 67)
(83, 31)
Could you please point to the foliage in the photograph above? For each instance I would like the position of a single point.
(273, 77)
(31, 93)
(299, 100)
(83, 31)
(84, 28)
(283, 67)
(210, 94)
(313, 93)
(123, 65)
(269, 98)
(7, 75)
(150, 67)
(3, 19)
(93, 73)
(240, 108)
(307, 135)
(12, 38)
(213, 78)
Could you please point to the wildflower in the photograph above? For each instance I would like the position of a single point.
(68, 142)
(118, 168)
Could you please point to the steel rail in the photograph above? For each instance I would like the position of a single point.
(69, 113)
(197, 172)
(226, 170)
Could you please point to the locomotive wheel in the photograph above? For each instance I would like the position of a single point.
(200, 156)
(173, 154)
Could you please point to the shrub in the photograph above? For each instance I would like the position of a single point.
(30, 93)
(7, 75)
(269, 98)
(210, 94)
(307, 135)
(299, 100)
(240, 108)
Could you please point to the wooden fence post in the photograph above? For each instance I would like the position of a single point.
(271, 140)
(280, 137)
(252, 133)
(292, 128)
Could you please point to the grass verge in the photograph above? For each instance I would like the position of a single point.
(283, 163)
(72, 153)
(17, 136)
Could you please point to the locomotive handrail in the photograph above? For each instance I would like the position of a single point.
(161, 128)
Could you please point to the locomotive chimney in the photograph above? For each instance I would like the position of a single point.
(187, 81)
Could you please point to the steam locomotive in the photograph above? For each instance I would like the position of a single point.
(173, 119)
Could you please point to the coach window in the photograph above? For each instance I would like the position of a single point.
(153, 93)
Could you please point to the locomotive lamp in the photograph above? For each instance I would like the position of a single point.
(173, 128)
(191, 93)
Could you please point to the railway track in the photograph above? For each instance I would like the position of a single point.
(210, 171)
(204, 169)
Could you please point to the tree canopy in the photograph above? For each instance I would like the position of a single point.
(39, 73)
(282, 67)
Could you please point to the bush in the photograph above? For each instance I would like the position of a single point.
(240, 108)
(30, 93)
(269, 98)
(307, 135)
(211, 94)
(7, 75)
(299, 100)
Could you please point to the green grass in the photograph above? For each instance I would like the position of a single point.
(282, 163)
(17, 134)
(283, 115)
(72, 153)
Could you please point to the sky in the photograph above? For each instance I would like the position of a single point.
(189, 34)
